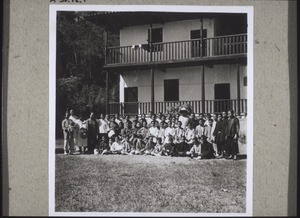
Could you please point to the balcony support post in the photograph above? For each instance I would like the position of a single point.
(105, 45)
(152, 89)
(238, 90)
(203, 89)
(201, 37)
(107, 92)
(152, 69)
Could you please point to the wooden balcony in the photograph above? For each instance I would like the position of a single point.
(208, 49)
(210, 106)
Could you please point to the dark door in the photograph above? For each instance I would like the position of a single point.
(156, 37)
(222, 97)
(131, 100)
(171, 90)
(196, 45)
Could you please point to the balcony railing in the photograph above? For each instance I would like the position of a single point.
(178, 50)
(210, 106)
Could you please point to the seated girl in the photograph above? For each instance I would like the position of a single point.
(182, 146)
(157, 151)
(126, 145)
(103, 146)
(149, 146)
(117, 146)
(169, 148)
(195, 151)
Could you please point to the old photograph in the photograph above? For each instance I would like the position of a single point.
(150, 110)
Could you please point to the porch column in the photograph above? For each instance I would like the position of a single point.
(152, 89)
(238, 85)
(107, 92)
(152, 69)
(203, 89)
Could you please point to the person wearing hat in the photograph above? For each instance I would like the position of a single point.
(184, 117)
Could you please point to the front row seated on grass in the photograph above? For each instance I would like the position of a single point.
(200, 148)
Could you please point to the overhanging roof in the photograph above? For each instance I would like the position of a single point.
(118, 20)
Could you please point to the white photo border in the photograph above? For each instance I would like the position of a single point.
(53, 9)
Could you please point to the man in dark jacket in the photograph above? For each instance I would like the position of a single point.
(232, 134)
(220, 134)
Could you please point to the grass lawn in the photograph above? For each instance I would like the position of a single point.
(114, 183)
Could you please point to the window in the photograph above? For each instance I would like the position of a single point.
(171, 90)
(195, 34)
(156, 37)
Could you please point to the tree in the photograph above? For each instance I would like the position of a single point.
(80, 80)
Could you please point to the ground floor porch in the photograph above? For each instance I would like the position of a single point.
(204, 88)
(206, 106)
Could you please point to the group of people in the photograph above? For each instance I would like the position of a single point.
(203, 137)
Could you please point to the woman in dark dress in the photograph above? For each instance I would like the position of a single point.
(92, 132)
(220, 133)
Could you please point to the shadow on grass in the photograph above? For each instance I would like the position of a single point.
(242, 156)
(59, 150)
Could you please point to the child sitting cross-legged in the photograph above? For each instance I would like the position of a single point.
(140, 146)
(117, 146)
(103, 146)
(149, 146)
(157, 151)
(169, 148)
(195, 150)
(182, 146)
(126, 145)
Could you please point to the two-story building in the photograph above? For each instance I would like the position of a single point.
(165, 59)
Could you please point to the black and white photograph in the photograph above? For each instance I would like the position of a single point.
(151, 110)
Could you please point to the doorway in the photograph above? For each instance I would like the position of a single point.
(131, 100)
(222, 97)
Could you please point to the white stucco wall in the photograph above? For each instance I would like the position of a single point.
(189, 82)
(172, 31)
(189, 77)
